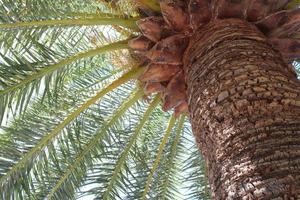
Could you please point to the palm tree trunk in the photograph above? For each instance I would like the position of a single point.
(244, 105)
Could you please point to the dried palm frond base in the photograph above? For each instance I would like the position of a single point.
(165, 37)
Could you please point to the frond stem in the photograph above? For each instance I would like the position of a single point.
(173, 151)
(50, 69)
(128, 23)
(93, 15)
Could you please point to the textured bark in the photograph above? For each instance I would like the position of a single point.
(244, 105)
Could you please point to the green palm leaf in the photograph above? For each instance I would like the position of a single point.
(132, 140)
(29, 157)
(158, 157)
(74, 124)
(99, 135)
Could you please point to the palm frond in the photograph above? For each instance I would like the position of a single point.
(126, 181)
(89, 147)
(22, 165)
(167, 184)
(77, 132)
(50, 69)
(24, 87)
(128, 147)
(25, 52)
(159, 153)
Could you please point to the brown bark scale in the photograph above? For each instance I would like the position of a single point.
(244, 105)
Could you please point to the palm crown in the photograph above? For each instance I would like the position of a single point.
(75, 122)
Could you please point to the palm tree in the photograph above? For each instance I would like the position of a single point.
(81, 84)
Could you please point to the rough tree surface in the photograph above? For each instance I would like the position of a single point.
(245, 112)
